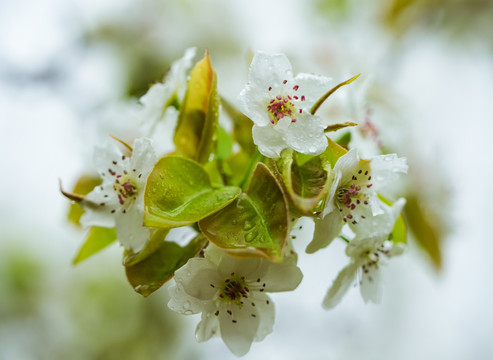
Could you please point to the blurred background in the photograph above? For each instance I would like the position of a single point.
(426, 84)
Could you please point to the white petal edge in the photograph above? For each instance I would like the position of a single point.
(326, 230)
(340, 286)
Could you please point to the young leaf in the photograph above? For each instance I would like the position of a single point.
(335, 127)
(151, 273)
(97, 239)
(196, 131)
(428, 233)
(84, 186)
(158, 235)
(256, 224)
(333, 152)
(307, 183)
(179, 192)
(236, 167)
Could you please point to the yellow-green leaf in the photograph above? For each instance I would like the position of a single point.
(179, 192)
(428, 233)
(306, 183)
(333, 152)
(97, 239)
(256, 223)
(152, 272)
(154, 243)
(84, 186)
(196, 132)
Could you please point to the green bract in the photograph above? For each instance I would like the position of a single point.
(333, 152)
(307, 182)
(195, 134)
(84, 185)
(154, 270)
(179, 192)
(256, 224)
(97, 239)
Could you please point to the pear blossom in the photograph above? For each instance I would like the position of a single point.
(367, 253)
(161, 101)
(231, 295)
(279, 105)
(353, 198)
(119, 201)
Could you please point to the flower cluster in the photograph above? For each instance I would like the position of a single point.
(238, 206)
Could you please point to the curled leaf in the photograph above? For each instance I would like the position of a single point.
(256, 223)
(179, 192)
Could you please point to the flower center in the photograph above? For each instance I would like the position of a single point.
(125, 188)
(351, 196)
(279, 107)
(284, 105)
(234, 290)
(374, 257)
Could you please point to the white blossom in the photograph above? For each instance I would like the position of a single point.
(119, 201)
(367, 253)
(279, 105)
(162, 99)
(231, 295)
(353, 197)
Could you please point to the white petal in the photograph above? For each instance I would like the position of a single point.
(386, 169)
(361, 246)
(163, 132)
(96, 214)
(346, 164)
(266, 314)
(380, 225)
(277, 277)
(129, 229)
(106, 156)
(268, 70)
(154, 102)
(157, 97)
(270, 142)
(330, 201)
(177, 76)
(183, 303)
(326, 230)
(253, 103)
(207, 327)
(340, 286)
(371, 286)
(196, 277)
(397, 249)
(306, 135)
(238, 329)
(312, 86)
(143, 156)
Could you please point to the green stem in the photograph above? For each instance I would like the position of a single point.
(330, 92)
(345, 238)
